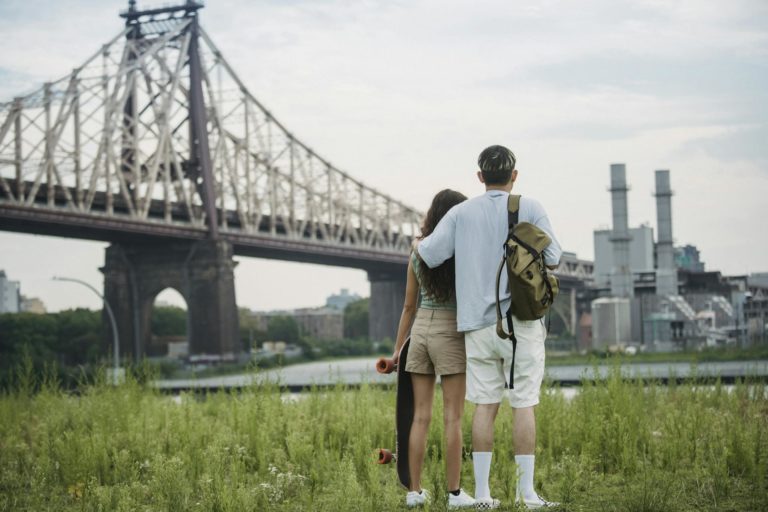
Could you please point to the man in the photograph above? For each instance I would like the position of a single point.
(475, 231)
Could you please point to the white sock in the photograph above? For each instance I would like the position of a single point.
(482, 463)
(525, 464)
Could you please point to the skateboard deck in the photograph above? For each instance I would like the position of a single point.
(403, 414)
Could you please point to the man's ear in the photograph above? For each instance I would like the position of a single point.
(514, 176)
(480, 177)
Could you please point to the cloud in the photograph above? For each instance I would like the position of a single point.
(404, 95)
(744, 145)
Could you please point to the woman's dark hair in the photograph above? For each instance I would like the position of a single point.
(439, 283)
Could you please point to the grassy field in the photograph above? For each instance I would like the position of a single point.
(692, 356)
(616, 446)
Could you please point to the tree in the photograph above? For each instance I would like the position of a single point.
(169, 321)
(79, 336)
(250, 334)
(37, 332)
(67, 339)
(283, 328)
(356, 319)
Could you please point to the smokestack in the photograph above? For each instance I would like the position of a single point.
(621, 275)
(666, 272)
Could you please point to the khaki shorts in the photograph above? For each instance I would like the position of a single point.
(489, 359)
(436, 347)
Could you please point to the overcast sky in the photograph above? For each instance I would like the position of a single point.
(405, 94)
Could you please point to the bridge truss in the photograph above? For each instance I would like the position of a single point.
(155, 134)
(156, 131)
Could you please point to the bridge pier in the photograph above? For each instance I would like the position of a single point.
(201, 271)
(386, 304)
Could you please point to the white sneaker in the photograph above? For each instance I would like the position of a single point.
(463, 500)
(416, 499)
(487, 503)
(537, 502)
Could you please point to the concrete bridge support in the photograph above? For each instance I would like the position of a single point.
(386, 304)
(201, 271)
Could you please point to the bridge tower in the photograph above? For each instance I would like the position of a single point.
(202, 271)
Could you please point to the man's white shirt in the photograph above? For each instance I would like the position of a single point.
(475, 231)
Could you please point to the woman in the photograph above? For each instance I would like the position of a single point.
(436, 349)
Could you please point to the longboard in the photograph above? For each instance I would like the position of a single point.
(403, 414)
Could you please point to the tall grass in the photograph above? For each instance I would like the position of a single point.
(616, 446)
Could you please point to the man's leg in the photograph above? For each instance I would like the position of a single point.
(524, 435)
(485, 388)
(528, 375)
(482, 427)
(482, 447)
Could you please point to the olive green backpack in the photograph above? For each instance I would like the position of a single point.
(532, 288)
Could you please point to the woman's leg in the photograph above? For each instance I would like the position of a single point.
(454, 387)
(423, 393)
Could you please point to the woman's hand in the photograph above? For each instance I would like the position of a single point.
(396, 354)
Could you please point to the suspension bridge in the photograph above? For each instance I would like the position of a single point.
(156, 146)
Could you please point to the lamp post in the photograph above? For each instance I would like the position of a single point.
(111, 315)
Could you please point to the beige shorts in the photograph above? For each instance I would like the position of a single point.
(489, 359)
(436, 347)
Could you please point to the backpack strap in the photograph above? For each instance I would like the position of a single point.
(499, 319)
(513, 214)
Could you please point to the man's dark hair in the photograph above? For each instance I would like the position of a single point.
(496, 164)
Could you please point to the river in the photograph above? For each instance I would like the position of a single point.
(361, 370)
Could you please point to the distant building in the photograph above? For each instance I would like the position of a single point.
(585, 331)
(320, 323)
(758, 280)
(688, 258)
(611, 323)
(341, 300)
(641, 257)
(756, 308)
(712, 282)
(575, 266)
(261, 318)
(178, 349)
(10, 297)
(32, 305)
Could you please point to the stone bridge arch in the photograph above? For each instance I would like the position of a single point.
(201, 271)
(157, 342)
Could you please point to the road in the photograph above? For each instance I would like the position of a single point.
(361, 370)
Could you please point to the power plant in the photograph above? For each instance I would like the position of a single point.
(646, 298)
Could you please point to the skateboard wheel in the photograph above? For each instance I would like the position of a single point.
(384, 365)
(385, 456)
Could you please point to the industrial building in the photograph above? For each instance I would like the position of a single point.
(650, 295)
(641, 253)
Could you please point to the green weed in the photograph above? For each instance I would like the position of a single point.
(616, 446)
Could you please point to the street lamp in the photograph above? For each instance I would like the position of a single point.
(111, 320)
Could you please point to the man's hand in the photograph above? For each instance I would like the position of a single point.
(396, 355)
